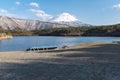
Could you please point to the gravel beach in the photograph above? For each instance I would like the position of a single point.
(84, 61)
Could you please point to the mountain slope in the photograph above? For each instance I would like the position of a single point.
(14, 23)
(66, 18)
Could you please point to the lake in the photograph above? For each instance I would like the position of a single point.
(18, 43)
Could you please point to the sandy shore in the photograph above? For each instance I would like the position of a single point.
(85, 61)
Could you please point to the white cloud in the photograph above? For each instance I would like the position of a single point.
(116, 6)
(17, 3)
(4, 12)
(41, 14)
(34, 4)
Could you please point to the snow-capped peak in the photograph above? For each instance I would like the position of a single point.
(68, 19)
(64, 17)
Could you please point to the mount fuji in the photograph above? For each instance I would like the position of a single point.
(68, 19)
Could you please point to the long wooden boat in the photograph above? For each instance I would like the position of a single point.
(41, 48)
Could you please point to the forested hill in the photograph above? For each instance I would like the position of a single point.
(110, 30)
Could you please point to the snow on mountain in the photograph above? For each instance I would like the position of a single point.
(14, 23)
(68, 19)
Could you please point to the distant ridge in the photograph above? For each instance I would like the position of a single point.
(15, 23)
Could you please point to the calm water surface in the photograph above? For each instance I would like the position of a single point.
(18, 43)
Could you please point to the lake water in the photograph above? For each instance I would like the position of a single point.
(18, 43)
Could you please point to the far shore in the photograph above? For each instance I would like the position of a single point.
(84, 61)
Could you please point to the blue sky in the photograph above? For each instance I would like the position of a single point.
(95, 12)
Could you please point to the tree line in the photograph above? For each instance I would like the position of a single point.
(109, 30)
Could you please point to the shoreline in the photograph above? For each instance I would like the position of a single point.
(78, 45)
(83, 44)
(5, 37)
